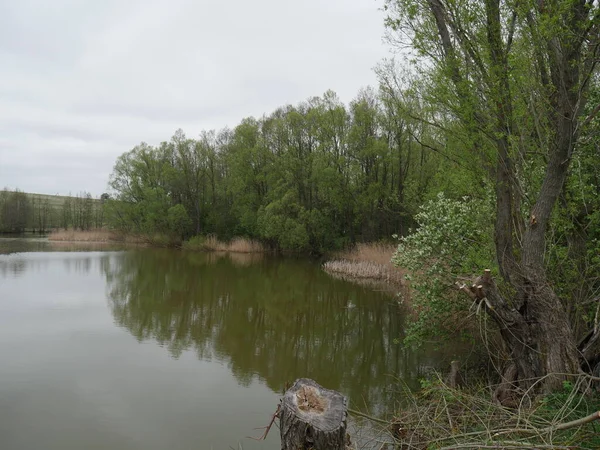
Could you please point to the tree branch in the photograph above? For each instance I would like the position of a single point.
(511, 32)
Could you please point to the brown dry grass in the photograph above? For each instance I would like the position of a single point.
(367, 262)
(213, 244)
(376, 252)
(81, 236)
(99, 235)
(242, 245)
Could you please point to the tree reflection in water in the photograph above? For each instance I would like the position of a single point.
(272, 318)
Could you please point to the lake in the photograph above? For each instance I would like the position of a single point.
(105, 348)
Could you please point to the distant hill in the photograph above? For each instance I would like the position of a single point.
(25, 211)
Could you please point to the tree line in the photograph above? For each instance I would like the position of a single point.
(312, 177)
(20, 212)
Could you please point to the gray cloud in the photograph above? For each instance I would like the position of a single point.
(83, 82)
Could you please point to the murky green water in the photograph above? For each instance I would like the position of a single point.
(156, 349)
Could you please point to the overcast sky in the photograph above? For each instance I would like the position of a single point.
(83, 81)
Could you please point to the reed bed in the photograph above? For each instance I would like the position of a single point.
(81, 236)
(212, 244)
(98, 235)
(366, 262)
(243, 245)
(376, 252)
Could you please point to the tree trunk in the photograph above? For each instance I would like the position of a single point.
(553, 339)
(538, 336)
(312, 417)
(535, 325)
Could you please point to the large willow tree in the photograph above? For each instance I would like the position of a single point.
(516, 76)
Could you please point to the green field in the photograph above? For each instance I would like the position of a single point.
(56, 201)
(31, 212)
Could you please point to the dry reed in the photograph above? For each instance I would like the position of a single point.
(100, 235)
(97, 235)
(243, 245)
(366, 262)
(212, 244)
(376, 252)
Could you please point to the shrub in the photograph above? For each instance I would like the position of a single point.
(195, 243)
(453, 240)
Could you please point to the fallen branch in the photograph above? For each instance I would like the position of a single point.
(552, 428)
(572, 424)
(515, 444)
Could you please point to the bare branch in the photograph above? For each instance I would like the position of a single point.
(572, 423)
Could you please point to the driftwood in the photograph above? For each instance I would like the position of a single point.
(312, 417)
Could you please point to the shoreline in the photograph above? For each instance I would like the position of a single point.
(98, 236)
(208, 244)
(368, 264)
(363, 271)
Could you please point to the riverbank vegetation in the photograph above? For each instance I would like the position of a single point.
(197, 243)
(367, 262)
(98, 235)
(71, 235)
(212, 244)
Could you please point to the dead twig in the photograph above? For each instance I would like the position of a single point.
(268, 427)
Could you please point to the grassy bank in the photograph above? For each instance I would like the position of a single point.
(212, 244)
(366, 262)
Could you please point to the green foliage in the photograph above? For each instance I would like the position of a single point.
(179, 220)
(486, 75)
(162, 240)
(453, 239)
(195, 243)
(280, 223)
(14, 211)
(310, 178)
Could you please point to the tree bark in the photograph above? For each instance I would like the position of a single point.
(312, 417)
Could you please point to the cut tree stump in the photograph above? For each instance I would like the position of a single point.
(312, 417)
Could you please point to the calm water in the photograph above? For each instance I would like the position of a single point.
(155, 349)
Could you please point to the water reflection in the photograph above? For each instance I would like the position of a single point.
(264, 317)
(18, 264)
(18, 255)
(42, 244)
